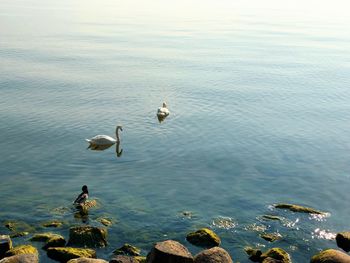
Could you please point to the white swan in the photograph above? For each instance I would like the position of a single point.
(163, 111)
(105, 139)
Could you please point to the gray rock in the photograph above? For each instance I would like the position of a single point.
(169, 251)
(21, 258)
(330, 256)
(213, 255)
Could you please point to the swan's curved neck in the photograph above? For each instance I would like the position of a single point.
(117, 134)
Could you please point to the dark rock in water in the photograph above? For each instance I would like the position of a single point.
(169, 251)
(330, 256)
(343, 240)
(21, 258)
(53, 224)
(87, 260)
(88, 236)
(19, 234)
(271, 217)
(128, 250)
(23, 249)
(18, 226)
(204, 237)
(271, 237)
(254, 254)
(5, 245)
(277, 254)
(64, 254)
(298, 208)
(213, 255)
(124, 259)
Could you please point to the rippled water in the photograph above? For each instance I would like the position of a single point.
(260, 106)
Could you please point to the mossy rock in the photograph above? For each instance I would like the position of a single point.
(140, 259)
(53, 223)
(5, 245)
(343, 240)
(128, 250)
(43, 237)
(272, 217)
(87, 260)
(271, 237)
(19, 234)
(64, 254)
(204, 237)
(105, 221)
(18, 226)
(253, 253)
(300, 209)
(58, 241)
(88, 236)
(21, 258)
(277, 253)
(330, 256)
(23, 249)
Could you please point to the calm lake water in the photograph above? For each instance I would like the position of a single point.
(259, 99)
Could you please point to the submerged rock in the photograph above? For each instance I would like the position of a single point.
(343, 240)
(18, 226)
(43, 237)
(213, 255)
(50, 239)
(88, 236)
(204, 237)
(128, 250)
(19, 234)
(330, 256)
(54, 223)
(298, 208)
(21, 258)
(5, 245)
(64, 254)
(87, 260)
(105, 221)
(271, 237)
(169, 251)
(253, 253)
(272, 217)
(277, 254)
(23, 249)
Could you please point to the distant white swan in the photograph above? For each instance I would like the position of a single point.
(105, 139)
(163, 111)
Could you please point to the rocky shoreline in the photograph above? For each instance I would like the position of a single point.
(79, 248)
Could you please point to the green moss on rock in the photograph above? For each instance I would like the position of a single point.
(278, 254)
(19, 234)
(204, 237)
(53, 223)
(88, 236)
(253, 253)
(43, 237)
(271, 237)
(64, 254)
(23, 249)
(127, 249)
(300, 209)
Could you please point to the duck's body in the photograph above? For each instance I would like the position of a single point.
(105, 139)
(163, 111)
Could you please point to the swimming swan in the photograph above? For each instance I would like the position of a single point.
(105, 139)
(163, 111)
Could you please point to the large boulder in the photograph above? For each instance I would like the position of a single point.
(128, 250)
(204, 237)
(88, 236)
(299, 208)
(277, 254)
(169, 251)
(87, 260)
(21, 258)
(213, 255)
(23, 249)
(5, 245)
(330, 256)
(64, 254)
(343, 240)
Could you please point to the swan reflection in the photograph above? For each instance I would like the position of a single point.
(118, 149)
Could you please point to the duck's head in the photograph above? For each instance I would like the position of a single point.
(119, 127)
(164, 104)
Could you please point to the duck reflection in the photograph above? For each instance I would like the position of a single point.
(161, 118)
(118, 149)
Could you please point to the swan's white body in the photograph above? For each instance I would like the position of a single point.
(163, 111)
(101, 140)
(104, 139)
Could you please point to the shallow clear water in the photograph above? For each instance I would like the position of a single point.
(260, 106)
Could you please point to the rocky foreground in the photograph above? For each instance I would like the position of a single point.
(83, 239)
